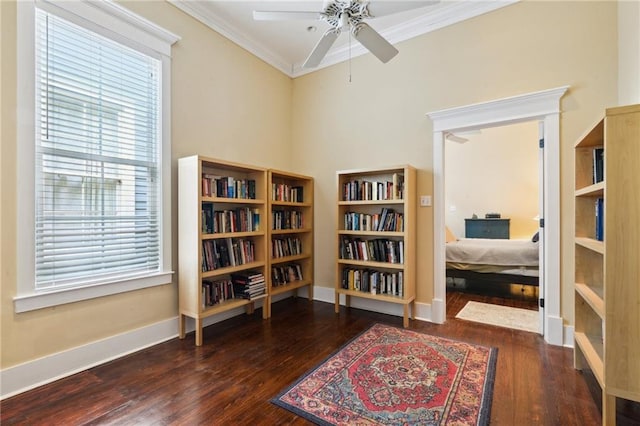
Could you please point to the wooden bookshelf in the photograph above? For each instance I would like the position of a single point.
(290, 219)
(240, 228)
(375, 238)
(607, 271)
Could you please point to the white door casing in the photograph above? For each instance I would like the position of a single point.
(545, 107)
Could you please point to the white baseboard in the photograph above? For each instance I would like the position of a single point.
(326, 294)
(568, 336)
(31, 374)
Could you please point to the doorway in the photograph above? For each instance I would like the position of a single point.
(541, 106)
(493, 177)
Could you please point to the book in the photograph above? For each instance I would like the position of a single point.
(598, 165)
(599, 231)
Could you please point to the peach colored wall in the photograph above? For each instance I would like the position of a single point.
(379, 118)
(226, 103)
(494, 171)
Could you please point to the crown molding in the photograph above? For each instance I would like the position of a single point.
(224, 28)
(443, 14)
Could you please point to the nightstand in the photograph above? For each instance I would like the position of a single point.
(487, 228)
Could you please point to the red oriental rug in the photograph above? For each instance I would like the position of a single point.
(393, 376)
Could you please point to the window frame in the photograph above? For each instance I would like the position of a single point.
(121, 25)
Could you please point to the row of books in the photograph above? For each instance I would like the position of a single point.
(599, 231)
(357, 190)
(598, 165)
(242, 219)
(284, 192)
(215, 292)
(372, 281)
(374, 250)
(284, 274)
(283, 247)
(287, 219)
(248, 284)
(386, 220)
(227, 187)
(226, 252)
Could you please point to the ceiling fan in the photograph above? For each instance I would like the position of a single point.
(459, 137)
(348, 16)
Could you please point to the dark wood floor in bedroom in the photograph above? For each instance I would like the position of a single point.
(245, 361)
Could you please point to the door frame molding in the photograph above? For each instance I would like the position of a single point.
(543, 106)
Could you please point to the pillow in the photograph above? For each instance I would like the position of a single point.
(448, 235)
(535, 237)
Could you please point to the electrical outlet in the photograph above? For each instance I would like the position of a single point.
(425, 200)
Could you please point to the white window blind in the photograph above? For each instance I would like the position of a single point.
(97, 157)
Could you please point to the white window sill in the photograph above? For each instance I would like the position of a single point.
(46, 299)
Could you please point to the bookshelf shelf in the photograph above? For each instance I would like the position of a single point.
(376, 220)
(607, 225)
(232, 235)
(591, 244)
(225, 200)
(370, 202)
(200, 181)
(294, 285)
(378, 234)
(286, 259)
(595, 190)
(290, 217)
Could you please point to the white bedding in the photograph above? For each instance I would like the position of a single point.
(482, 251)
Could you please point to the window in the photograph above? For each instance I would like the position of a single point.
(99, 158)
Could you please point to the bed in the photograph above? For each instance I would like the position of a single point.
(497, 260)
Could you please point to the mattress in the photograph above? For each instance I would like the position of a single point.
(528, 271)
(497, 252)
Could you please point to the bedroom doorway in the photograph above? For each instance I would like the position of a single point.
(543, 107)
(492, 180)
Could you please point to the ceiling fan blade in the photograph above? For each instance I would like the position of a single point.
(382, 8)
(374, 42)
(455, 138)
(321, 49)
(285, 16)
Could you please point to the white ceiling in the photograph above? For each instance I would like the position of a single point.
(286, 44)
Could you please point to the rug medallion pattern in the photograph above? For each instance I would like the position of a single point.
(389, 375)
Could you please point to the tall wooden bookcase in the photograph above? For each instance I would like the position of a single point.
(607, 256)
(290, 230)
(237, 193)
(376, 239)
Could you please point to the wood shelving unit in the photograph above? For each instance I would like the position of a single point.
(290, 211)
(193, 234)
(375, 273)
(607, 270)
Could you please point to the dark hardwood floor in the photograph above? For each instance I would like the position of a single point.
(245, 361)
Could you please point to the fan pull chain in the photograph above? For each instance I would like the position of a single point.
(349, 56)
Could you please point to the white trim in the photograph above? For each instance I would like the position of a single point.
(33, 301)
(545, 106)
(439, 16)
(31, 374)
(114, 21)
(203, 14)
(569, 336)
(422, 311)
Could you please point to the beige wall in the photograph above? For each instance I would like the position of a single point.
(629, 52)
(226, 103)
(379, 118)
(494, 171)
